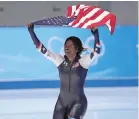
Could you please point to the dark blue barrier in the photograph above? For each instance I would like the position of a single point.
(56, 84)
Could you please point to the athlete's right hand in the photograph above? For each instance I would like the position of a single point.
(30, 26)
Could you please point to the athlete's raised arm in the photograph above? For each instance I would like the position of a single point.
(57, 59)
(86, 60)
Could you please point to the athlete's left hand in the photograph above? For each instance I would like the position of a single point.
(94, 28)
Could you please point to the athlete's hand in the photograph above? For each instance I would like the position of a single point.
(94, 28)
(30, 27)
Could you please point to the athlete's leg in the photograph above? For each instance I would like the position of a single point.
(78, 109)
(59, 111)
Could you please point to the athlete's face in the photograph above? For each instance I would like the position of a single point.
(70, 49)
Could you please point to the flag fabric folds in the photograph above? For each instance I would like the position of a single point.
(82, 16)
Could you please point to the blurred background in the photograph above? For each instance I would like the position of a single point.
(29, 83)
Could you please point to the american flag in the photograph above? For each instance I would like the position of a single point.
(55, 21)
(88, 16)
(82, 16)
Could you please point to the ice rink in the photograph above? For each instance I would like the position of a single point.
(103, 103)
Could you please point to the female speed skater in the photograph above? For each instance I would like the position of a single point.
(71, 102)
